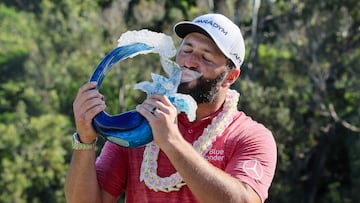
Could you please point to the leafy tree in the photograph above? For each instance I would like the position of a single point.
(305, 80)
(300, 78)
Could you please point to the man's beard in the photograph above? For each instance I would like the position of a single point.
(205, 91)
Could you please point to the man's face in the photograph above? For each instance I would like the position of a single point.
(199, 53)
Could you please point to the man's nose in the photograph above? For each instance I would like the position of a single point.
(191, 61)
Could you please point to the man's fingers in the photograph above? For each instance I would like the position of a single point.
(87, 86)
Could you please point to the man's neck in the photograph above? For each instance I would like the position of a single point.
(204, 110)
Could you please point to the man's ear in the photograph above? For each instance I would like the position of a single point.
(231, 76)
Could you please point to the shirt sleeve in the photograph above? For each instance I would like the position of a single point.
(253, 157)
(111, 169)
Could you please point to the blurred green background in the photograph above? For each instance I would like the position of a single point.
(300, 78)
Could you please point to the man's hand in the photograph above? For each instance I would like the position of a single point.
(162, 115)
(87, 104)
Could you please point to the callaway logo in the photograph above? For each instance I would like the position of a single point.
(214, 25)
(254, 169)
(237, 57)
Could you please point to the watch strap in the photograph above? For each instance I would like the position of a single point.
(78, 145)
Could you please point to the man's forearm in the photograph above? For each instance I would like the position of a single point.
(81, 182)
(208, 183)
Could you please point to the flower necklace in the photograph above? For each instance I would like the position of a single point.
(202, 145)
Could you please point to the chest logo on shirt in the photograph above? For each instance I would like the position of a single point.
(215, 155)
(254, 169)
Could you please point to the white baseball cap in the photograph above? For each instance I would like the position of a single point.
(225, 33)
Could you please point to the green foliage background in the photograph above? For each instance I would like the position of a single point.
(300, 78)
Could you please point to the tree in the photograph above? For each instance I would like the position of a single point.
(300, 78)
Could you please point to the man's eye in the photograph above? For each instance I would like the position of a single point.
(206, 59)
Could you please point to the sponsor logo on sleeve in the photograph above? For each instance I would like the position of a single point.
(254, 169)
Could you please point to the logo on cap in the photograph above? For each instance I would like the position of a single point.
(236, 57)
(213, 24)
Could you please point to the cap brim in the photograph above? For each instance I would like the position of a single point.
(184, 28)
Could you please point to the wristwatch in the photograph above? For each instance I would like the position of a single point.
(78, 145)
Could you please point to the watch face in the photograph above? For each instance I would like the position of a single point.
(75, 138)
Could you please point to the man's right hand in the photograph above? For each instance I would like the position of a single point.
(87, 104)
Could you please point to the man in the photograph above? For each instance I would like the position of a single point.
(223, 156)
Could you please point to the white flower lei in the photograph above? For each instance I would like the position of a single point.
(202, 145)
